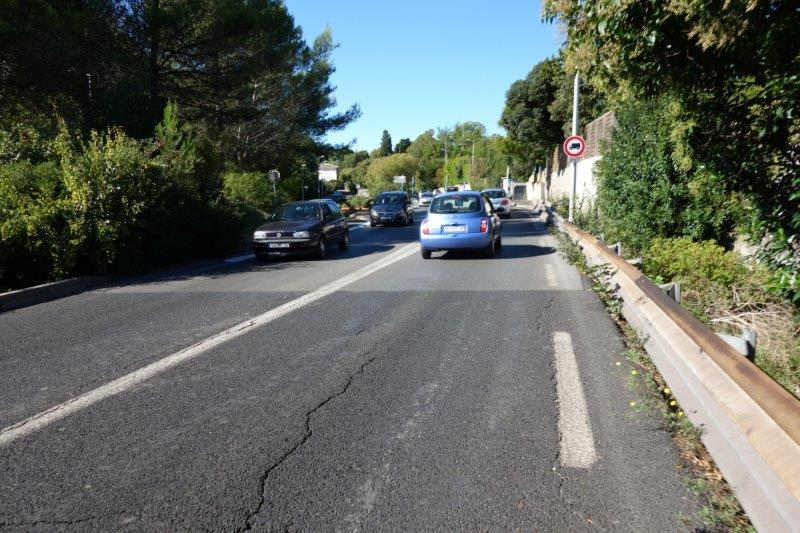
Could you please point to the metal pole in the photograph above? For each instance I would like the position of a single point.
(574, 160)
(445, 161)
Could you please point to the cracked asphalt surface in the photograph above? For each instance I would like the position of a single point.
(421, 397)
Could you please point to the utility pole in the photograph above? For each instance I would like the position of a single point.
(574, 159)
(445, 161)
(473, 158)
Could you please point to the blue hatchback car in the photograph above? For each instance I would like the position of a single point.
(463, 220)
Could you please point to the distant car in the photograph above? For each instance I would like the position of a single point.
(391, 207)
(451, 188)
(425, 198)
(463, 220)
(337, 197)
(500, 201)
(302, 228)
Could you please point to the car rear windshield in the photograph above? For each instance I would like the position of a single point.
(385, 199)
(497, 193)
(296, 212)
(455, 204)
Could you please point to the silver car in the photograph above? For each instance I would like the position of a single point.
(500, 202)
(425, 198)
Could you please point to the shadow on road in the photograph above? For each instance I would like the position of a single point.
(509, 251)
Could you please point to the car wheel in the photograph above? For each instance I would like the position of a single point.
(345, 242)
(371, 223)
(322, 249)
(426, 254)
(499, 246)
(261, 257)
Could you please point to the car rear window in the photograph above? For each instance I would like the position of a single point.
(497, 193)
(455, 204)
(385, 199)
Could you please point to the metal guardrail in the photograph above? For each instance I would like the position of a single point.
(781, 405)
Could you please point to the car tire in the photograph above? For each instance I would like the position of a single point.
(345, 242)
(426, 254)
(371, 223)
(322, 249)
(261, 257)
(499, 246)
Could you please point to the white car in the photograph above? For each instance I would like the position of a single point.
(425, 198)
(500, 202)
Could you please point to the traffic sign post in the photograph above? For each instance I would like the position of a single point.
(274, 176)
(574, 147)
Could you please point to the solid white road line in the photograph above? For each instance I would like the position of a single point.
(577, 441)
(239, 258)
(550, 274)
(128, 381)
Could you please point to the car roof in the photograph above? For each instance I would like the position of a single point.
(459, 193)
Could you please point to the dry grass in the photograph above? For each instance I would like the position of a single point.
(750, 306)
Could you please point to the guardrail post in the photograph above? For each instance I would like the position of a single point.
(750, 336)
(745, 344)
(673, 290)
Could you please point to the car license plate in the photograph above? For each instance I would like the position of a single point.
(454, 229)
(279, 245)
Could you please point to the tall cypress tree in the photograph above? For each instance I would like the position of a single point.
(386, 144)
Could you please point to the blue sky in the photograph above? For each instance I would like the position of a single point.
(413, 65)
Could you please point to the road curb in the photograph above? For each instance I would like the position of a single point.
(48, 291)
(750, 424)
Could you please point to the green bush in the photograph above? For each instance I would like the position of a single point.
(248, 189)
(647, 189)
(113, 204)
(694, 263)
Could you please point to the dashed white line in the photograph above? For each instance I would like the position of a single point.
(550, 274)
(128, 381)
(577, 441)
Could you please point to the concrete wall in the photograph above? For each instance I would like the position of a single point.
(555, 181)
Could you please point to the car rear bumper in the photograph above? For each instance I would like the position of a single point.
(457, 241)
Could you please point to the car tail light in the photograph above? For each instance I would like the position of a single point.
(484, 225)
(426, 230)
(504, 201)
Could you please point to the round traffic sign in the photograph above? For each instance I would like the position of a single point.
(574, 146)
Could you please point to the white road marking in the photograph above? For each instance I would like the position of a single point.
(239, 258)
(128, 381)
(577, 441)
(550, 274)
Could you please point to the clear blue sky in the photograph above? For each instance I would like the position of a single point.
(419, 64)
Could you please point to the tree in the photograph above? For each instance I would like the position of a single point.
(402, 146)
(386, 144)
(527, 117)
(731, 67)
(381, 171)
(428, 152)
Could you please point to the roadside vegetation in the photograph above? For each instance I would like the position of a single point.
(473, 157)
(700, 178)
(720, 511)
(145, 136)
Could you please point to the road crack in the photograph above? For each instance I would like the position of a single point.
(306, 436)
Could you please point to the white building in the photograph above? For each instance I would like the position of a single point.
(328, 172)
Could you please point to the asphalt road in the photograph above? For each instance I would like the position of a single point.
(459, 393)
